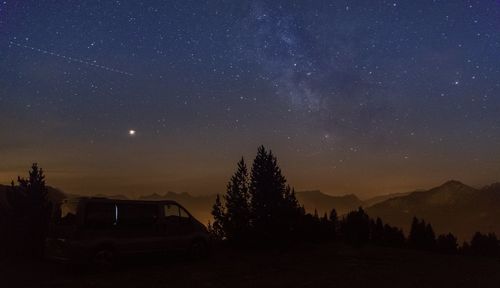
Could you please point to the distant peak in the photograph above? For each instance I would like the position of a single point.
(453, 183)
(310, 192)
(350, 196)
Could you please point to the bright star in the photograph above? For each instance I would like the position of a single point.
(131, 132)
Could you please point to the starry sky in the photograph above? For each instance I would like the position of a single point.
(365, 97)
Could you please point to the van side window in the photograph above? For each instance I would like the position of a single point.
(183, 213)
(137, 215)
(171, 210)
(100, 215)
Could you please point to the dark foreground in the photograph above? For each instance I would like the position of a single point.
(325, 265)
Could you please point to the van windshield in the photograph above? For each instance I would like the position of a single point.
(66, 214)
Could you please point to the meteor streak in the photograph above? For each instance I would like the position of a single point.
(71, 59)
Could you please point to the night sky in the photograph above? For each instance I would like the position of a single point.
(364, 97)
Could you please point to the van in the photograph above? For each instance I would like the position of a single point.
(98, 230)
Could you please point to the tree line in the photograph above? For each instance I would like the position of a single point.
(259, 208)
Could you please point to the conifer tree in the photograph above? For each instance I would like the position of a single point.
(377, 231)
(334, 223)
(416, 233)
(218, 213)
(447, 244)
(356, 227)
(31, 210)
(237, 199)
(430, 237)
(272, 202)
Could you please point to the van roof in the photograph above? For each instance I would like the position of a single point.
(104, 199)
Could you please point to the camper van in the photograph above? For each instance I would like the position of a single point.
(98, 230)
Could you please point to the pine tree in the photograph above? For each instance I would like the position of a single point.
(356, 227)
(422, 235)
(31, 210)
(334, 223)
(290, 199)
(485, 244)
(272, 202)
(377, 231)
(415, 238)
(237, 199)
(447, 244)
(430, 237)
(219, 218)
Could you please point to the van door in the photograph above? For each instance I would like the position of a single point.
(100, 222)
(137, 224)
(177, 227)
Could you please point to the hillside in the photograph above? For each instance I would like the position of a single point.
(381, 198)
(324, 203)
(452, 207)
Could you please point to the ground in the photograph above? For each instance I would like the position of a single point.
(318, 265)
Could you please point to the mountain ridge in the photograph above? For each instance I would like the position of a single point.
(450, 207)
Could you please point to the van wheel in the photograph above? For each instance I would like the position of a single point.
(198, 249)
(103, 259)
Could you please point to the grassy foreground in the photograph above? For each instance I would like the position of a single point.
(319, 265)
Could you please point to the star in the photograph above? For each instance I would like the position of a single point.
(131, 132)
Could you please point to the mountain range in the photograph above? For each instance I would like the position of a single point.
(451, 207)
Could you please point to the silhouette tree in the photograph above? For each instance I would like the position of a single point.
(447, 243)
(334, 223)
(386, 235)
(393, 236)
(416, 234)
(377, 231)
(217, 229)
(485, 244)
(237, 200)
(272, 202)
(31, 211)
(430, 237)
(355, 227)
(422, 235)
(465, 248)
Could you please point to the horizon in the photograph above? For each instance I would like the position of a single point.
(328, 193)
